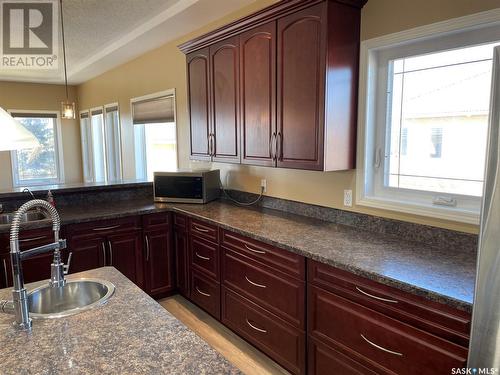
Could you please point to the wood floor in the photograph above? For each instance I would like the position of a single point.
(243, 355)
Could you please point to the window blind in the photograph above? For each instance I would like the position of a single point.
(154, 110)
(33, 115)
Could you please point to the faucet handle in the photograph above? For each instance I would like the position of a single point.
(66, 266)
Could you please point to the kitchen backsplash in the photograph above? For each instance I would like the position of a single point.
(433, 236)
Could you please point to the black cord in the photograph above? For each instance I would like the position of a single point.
(242, 203)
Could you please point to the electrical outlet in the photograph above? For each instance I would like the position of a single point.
(348, 198)
(263, 185)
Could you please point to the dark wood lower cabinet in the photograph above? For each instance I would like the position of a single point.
(159, 262)
(181, 261)
(278, 339)
(389, 346)
(125, 254)
(205, 292)
(323, 360)
(86, 253)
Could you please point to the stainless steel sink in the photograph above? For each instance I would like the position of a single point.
(75, 297)
(28, 216)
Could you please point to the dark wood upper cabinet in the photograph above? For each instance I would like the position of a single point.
(258, 95)
(301, 71)
(298, 62)
(199, 103)
(224, 67)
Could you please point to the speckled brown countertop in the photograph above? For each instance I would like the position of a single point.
(434, 273)
(130, 334)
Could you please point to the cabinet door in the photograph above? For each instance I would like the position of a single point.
(125, 254)
(198, 101)
(224, 66)
(6, 273)
(301, 88)
(34, 269)
(87, 253)
(258, 95)
(159, 261)
(181, 261)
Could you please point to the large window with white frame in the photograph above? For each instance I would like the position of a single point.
(155, 133)
(101, 144)
(44, 164)
(424, 108)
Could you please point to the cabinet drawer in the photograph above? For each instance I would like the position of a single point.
(29, 239)
(152, 221)
(281, 294)
(283, 343)
(180, 221)
(433, 317)
(394, 346)
(205, 257)
(205, 293)
(323, 360)
(204, 230)
(104, 227)
(282, 260)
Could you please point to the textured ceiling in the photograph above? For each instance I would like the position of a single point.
(92, 24)
(101, 34)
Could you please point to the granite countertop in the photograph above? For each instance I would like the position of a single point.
(437, 274)
(130, 334)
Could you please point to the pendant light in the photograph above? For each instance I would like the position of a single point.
(68, 109)
(14, 135)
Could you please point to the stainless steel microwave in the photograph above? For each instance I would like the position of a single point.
(187, 186)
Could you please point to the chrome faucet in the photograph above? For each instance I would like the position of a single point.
(19, 303)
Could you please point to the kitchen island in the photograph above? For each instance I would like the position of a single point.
(130, 334)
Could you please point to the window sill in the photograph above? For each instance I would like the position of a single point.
(445, 213)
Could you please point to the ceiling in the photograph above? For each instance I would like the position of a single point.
(102, 34)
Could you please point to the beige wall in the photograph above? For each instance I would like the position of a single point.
(30, 96)
(164, 68)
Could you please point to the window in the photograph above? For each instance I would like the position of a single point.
(101, 144)
(155, 133)
(113, 142)
(41, 165)
(426, 113)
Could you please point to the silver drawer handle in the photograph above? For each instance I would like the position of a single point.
(105, 228)
(201, 229)
(202, 293)
(201, 256)
(5, 273)
(255, 251)
(251, 282)
(379, 347)
(103, 248)
(254, 327)
(147, 248)
(372, 296)
(33, 239)
(110, 253)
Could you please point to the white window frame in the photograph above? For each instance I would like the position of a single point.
(58, 151)
(105, 172)
(374, 54)
(87, 152)
(140, 155)
(117, 140)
